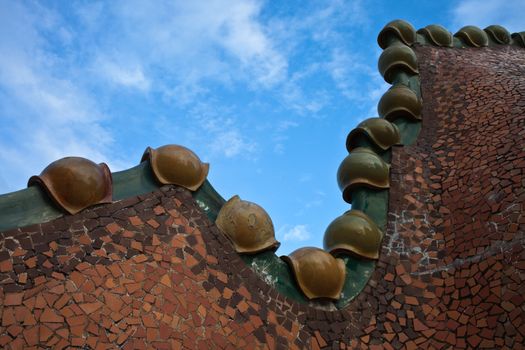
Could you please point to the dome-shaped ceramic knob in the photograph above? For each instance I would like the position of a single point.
(396, 58)
(380, 131)
(355, 233)
(473, 36)
(399, 29)
(75, 183)
(519, 38)
(362, 167)
(247, 225)
(399, 101)
(499, 34)
(318, 273)
(437, 35)
(177, 165)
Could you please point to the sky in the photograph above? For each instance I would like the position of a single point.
(264, 91)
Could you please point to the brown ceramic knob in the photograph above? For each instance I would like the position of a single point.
(499, 34)
(318, 273)
(247, 225)
(519, 38)
(75, 183)
(437, 35)
(177, 165)
(355, 233)
(399, 29)
(380, 131)
(362, 167)
(399, 101)
(395, 58)
(473, 36)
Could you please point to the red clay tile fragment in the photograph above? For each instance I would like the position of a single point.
(11, 299)
(49, 316)
(31, 335)
(89, 308)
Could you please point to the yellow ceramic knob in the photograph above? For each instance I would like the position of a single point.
(362, 167)
(397, 57)
(399, 101)
(437, 35)
(318, 273)
(75, 183)
(383, 133)
(399, 29)
(499, 34)
(177, 165)
(473, 36)
(353, 232)
(247, 225)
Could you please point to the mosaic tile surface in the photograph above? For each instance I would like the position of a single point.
(454, 251)
(153, 272)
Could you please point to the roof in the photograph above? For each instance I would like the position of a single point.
(152, 268)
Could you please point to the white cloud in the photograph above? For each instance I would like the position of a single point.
(214, 128)
(122, 73)
(296, 233)
(45, 114)
(346, 70)
(508, 14)
(222, 131)
(53, 73)
(299, 100)
(279, 136)
(60, 72)
(285, 125)
(231, 143)
(188, 42)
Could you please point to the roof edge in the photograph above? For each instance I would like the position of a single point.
(35, 205)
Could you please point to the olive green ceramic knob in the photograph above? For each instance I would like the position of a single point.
(437, 35)
(399, 101)
(395, 58)
(75, 183)
(519, 38)
(473, 36)
(247, 225)
(399, 29)
(499, 34)
(318, 273)
(380, 131)
(353, 233)
(176, 165)
(362, 167)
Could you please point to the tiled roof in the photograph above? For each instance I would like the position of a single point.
(431, 254)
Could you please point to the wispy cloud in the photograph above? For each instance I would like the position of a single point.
(45, 114)
(231, 143)
(347, 72)
(484, 13)
(130, 76)
(213, 128)
(315, 198)
(185, 43)
(70, 76)
(280, 135)
(53, 73)
(297, 233)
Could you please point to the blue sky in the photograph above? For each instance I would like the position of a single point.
(265, 91)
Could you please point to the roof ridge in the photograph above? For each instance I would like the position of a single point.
(49, 194)
(437, 35)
